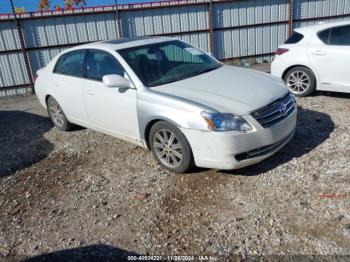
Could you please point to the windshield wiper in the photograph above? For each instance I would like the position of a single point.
(162, 82)
(208, 70)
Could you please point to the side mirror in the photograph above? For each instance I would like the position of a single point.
(116, 81)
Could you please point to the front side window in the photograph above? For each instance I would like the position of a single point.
(100, 63)
(161, 63)
(71, 64)
(340, 36)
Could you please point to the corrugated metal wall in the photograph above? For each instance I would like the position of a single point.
(245, 28)
(69, 30)
(8, 36)
(231, 40)
(60, 31)
(316, 8)
(164, 21)
(326, 10)
(12, 70)
(169, 21)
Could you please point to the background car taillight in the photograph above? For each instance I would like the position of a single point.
(281, 51)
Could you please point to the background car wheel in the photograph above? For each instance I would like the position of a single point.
(301, 81)
(57, 116)
(170, 147)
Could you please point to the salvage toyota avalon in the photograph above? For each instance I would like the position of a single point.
(168, 96)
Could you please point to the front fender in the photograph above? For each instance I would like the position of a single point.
(182, 113)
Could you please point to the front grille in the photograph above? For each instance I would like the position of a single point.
(263, 150)
(276, 111)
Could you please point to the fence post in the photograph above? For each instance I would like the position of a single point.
(117, 18)
(290, 16)
(210, 21)
(23, 47)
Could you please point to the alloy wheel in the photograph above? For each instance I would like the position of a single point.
(298, 82)
(168, 148)
(56, 113)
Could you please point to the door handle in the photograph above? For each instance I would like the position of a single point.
(319, 52)
(90, 92)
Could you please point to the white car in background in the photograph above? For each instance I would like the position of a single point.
(315, 58)
(168, 96)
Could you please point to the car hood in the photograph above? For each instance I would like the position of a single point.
(228, 89)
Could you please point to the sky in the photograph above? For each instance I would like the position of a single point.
(32, 5)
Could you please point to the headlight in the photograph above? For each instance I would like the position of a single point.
(225, 122)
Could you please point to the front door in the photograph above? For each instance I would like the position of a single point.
(112, 110)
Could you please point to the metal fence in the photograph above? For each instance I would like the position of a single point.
(230, 29)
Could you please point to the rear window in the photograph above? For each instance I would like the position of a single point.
(294, 38)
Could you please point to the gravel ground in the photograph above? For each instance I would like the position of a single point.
(85, 195)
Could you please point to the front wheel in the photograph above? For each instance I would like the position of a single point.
(170, 147)
(301, 81)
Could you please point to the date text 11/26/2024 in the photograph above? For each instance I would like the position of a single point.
(172, 258)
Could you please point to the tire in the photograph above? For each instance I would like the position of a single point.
(170, 147)
(57, 116)
(301, 81)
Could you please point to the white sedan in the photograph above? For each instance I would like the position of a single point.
(315, 58)
(173, 98)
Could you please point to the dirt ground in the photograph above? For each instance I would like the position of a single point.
(86, 195)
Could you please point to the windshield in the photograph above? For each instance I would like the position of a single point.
(162, 63)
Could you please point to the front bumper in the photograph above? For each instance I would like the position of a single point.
(234, 149)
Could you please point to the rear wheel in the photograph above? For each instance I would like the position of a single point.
(170, 147)
(57, 116)
(301, 81)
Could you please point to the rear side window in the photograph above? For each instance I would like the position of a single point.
(294, 38)
(71, 64)
(100, 63)
(340, 36)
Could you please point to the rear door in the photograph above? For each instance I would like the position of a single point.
(330, 55)
(68, 85)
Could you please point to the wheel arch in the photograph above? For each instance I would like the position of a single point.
(47, 98)
(152, 122)
(301, 65)
(186, 161)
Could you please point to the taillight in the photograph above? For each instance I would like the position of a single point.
(281, 51)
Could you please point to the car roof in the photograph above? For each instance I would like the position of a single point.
(321, 26)
(122, 43)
